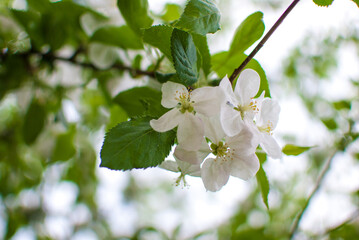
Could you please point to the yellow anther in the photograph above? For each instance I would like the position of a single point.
(267, 128)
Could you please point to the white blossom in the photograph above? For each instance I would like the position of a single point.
(234, 156)
(182, 167)
(240, 105)
(193, 157)
(264, 126)
(186, 105)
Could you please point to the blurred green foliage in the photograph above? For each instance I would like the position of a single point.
(38, 137)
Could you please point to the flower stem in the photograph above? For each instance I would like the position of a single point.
(238, 70)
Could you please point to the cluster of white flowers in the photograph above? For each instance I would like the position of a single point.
(219, 129)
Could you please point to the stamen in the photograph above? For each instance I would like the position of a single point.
(267, 128)
(184, 101)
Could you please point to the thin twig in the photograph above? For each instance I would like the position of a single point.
(238, 70)
(314, 191)
(134, 71)
(50, 57)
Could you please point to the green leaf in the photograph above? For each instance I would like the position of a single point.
(263, 183)
(184, 55)
(61, 24)
(248, 32)
(330, 123)
(64, 146)
(348, 230)
(165, 77)
(293, 150)
(343, 104)
(202, 46)
(200, 16)
(135, 12)
(262, 179)
(159, 36)
(171, 12)
(141, 101)
(122, 37)
(136, 63)
(39, 5)
(323, 3)
(12, 77)
(34, 121)
(30, 21)
(134, 144)
(54, 24)
(117, 115)
(224, 64)
(356, 2)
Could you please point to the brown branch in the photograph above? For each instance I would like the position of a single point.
(238, 70)
(136, 72)
(49, 57)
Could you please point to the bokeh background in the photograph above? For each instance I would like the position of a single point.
(51, 185)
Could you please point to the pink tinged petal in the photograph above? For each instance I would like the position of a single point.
(227, 89)
(189, 169)
(167, 121)
(190, 132)
(270, 146)
(245, 167)
(247, 86)
(207, 100)
(193, 157)
(231, 120)
(213, 129)
(171, 91)
(269, 113)
(214, 174)
(243, 143)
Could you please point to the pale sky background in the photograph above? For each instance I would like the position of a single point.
(205, 210)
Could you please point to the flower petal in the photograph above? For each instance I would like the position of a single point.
(207, 100)
(167, 121)
(214, 174)
(231, 120)
(193, 157)
(170, 93)
(227, 89)
(169, 165)
(269, 112)
(270, 146)
(245, 167)
(190, 132)
(247, 86)
(189, 169)
(243, 143)
(213, 129)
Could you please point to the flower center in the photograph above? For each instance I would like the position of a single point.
(251, 107)
(222, 151)
(267, 128)
(184, 102)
